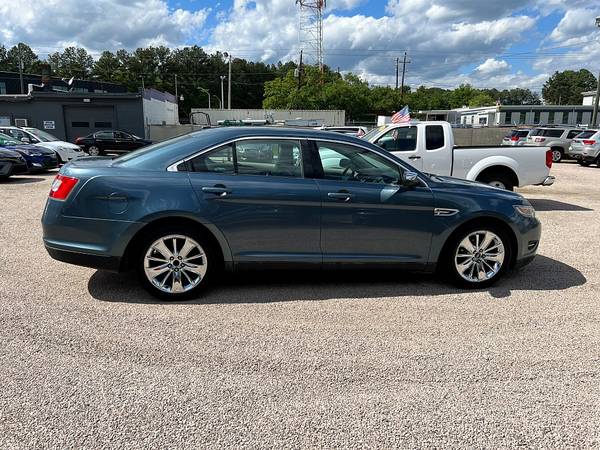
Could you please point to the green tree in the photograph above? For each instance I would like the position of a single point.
(481, 99)
(21, 52)
(565, 87)
(72, 62)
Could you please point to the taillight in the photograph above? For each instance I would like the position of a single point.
(549, 159)
(514, 138)
(78, 141)
(539, 139)
(62, 187)
(588, 142)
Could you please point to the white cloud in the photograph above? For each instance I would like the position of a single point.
(492, 66)
(99, 24)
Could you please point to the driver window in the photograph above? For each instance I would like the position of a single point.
(400, 139)
(349, 163)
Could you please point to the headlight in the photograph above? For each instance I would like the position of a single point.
(525, 210)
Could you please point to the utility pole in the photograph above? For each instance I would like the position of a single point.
(228, 81)
(222, 96)
(397, 64)
(404, 63)
(143, 87)
(596, 99)
(21, 69)
(300, 71)
(176, 97)
(595, 113)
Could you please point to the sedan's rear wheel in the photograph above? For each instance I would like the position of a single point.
(175, 264)
(478, 257)
(93, 150)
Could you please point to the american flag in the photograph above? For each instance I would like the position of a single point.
(401, 116)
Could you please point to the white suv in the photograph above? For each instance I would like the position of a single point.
(65, 150)
(557, 138)
(585, 148)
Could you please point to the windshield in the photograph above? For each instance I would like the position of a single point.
(371, 133)
(7, 140)
(42, 135)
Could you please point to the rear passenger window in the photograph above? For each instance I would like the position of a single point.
(279, 158)
(573, 133)
(219, 160)
(434, 137)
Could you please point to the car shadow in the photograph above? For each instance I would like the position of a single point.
(543, 274)
(543, 204)
(22, 180)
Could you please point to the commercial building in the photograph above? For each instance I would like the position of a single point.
(68, 115)
(512, 115)
(289, 116)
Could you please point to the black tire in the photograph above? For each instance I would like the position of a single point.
(211, 262)
(449, 258)
(94, 150)
(584, 163)
(557, 154)
(498, 180)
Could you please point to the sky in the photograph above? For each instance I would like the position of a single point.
(488, 43)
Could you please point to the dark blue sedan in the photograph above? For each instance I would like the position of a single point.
(38, 159)
(182, 210)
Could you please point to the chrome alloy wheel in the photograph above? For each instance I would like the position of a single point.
(479, 256)
(498, 184)
(175, 264)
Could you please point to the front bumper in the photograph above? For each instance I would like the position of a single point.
(42, 163)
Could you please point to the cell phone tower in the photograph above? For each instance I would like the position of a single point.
(310, 31)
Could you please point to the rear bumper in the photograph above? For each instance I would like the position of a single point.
(111, 263)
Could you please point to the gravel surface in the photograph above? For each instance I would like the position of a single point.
(89, 360)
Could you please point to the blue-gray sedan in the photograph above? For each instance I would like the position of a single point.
(182, 210)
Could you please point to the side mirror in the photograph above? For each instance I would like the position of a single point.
(410, 179)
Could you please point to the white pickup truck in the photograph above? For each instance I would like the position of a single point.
(429, 146)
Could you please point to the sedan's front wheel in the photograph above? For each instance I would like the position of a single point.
(478, 257)
(175, 264)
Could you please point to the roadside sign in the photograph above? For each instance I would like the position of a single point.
(49, 125)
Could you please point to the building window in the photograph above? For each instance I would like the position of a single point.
(565, 117)
(536, 117)
(579, 118)
(507, 115)
(80, 124)
(551, 116)
(2, 87)
(103, 124)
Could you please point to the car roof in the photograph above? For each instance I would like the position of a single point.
(227, 133)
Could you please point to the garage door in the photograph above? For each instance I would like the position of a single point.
(83, 120)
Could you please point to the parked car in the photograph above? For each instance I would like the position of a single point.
(516, 137)
(180, 211)
(429, 146)
(351, 130)
(65, 151)
(558, 139)
(110, 141)
(38, 159)
(11, 163)
(585, 148)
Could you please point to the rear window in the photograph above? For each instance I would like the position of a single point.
(550, 133)
(519, 133)
(535, 132)
(586, 134)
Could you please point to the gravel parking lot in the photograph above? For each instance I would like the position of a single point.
(88, 359)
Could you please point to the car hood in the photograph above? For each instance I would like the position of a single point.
(58, 144)
(27, 149)
(474, 187)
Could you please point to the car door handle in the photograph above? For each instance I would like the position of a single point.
(219, 190)
(414, 157)
(341, 196)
